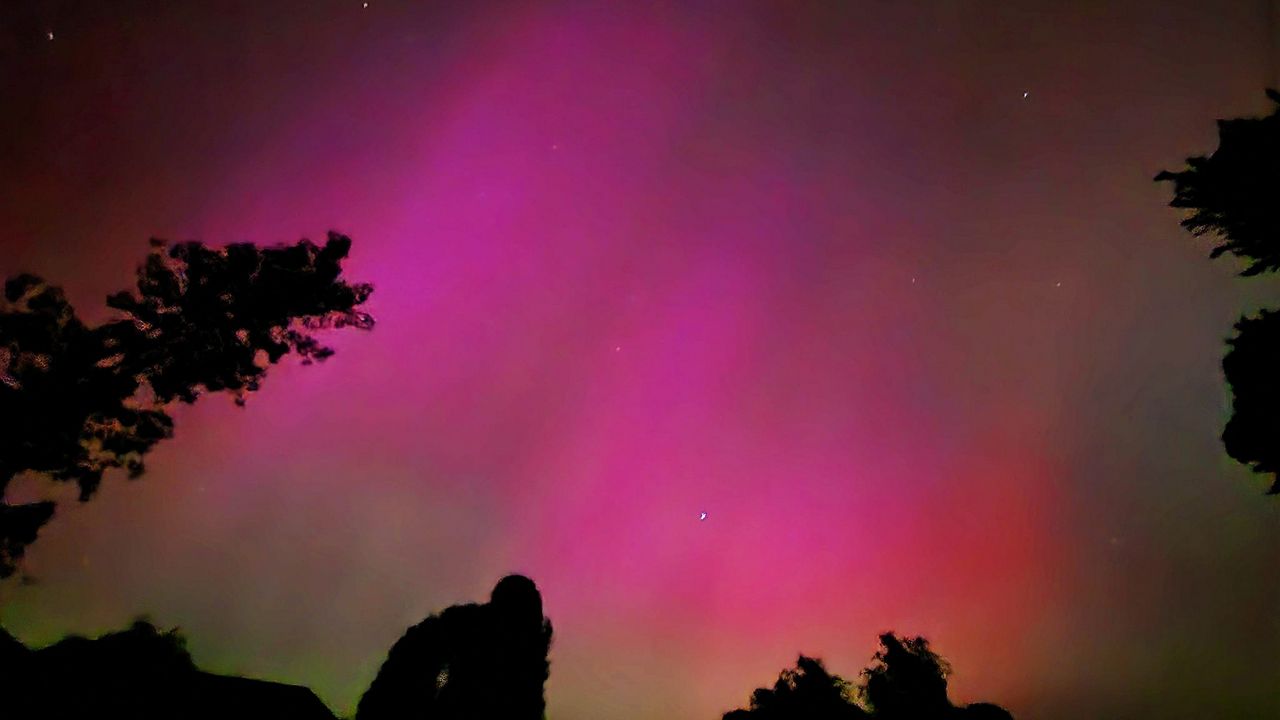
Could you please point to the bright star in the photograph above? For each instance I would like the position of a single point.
(1025, 95)
(703, 516)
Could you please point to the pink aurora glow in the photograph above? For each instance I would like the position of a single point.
(633, 265)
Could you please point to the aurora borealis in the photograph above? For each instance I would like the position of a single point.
(885, 289)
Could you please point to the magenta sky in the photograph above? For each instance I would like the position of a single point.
(932, 356)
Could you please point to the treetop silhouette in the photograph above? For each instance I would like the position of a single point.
(76, 401)
(808, 691)
(1234, 194)
(907, 681)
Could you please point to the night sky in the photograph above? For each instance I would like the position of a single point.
(883, 288)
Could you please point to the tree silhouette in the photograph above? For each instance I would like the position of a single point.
(1235, 195)
(808, 692)
(1252, 366)
(1233, 192)
(468, 662)
(907, 682)
(76, 401)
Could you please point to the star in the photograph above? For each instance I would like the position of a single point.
(1026, 95)
(1059, 284)
(702, 516)
(49, 35)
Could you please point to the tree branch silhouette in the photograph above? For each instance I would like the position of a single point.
(77, 401)
(1232, 192)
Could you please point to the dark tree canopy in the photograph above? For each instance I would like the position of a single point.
(1252, 367)
(469, 661)
(1235, 195)
(808, 692)
(907, 681)
(76, 401)
(1235, 192)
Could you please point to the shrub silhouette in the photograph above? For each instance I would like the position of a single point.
(76, 401)
(141, 673)
(469, 661)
